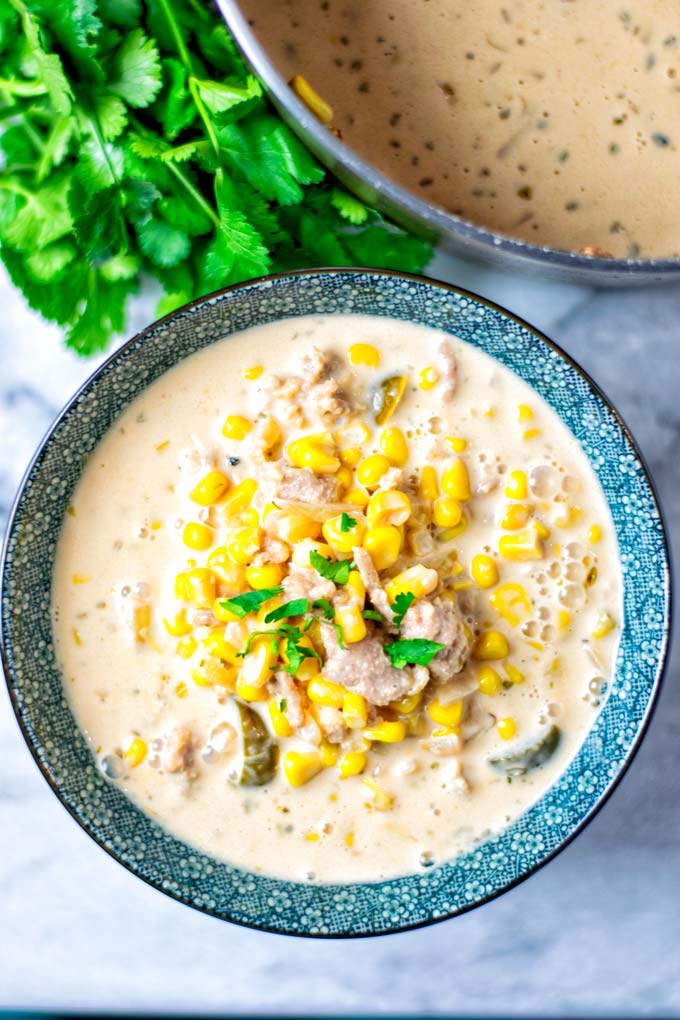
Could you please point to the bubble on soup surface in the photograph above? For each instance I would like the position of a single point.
(530, 628)
(575, 551)
(543, 481)
(571, 485)
(572, 596)
(112, 766)
(597, 686)
(574, 572)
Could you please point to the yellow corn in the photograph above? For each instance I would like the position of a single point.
(210, 489)
(489, 681)
(186, 647)
(604, 624)
(299, 767)
(216, 645)
(232, 575)
(418, 580)
(302, 550)
(515, 516)
(354, 710)
(595, 534)
(371, 469)
(345, 479)
(352, 623)
(490, 645)
(456, 481)
(202, 584)
(181, 689)
(506, 728)
(563, 619)
(350, 458)
(524, 413)
(323, 692)
(248, 693)
(197, 536)
(446, 512)
(382, 800)
(523, 545)
(457, 444)
(257, 665)
(313, 454)
(428, 378)
(269, 433)
(484, 571)
(387, 731)
(178, 626)
(352, 764)
(394, 446)
(213, 673)
(384, 545)
(240, 497)
(294, 527)
(80, 578)
(407, 704)
(364, 354)
(243, 545)
(514, 675)
(531, 433)
(251, 517)
(267, 576)
(309, 667)
(329, 753)
(446, 715)
(254, 372)
(339, 540)
(182, 590)
(136, 752)
(570, 517)
(388, 507)
(280, 724)
(354, 433)
(316, 105)
(428, 485)
(356, 588)
(357, 497)
(516, 486)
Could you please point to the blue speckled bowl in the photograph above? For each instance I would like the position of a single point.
(364, 909)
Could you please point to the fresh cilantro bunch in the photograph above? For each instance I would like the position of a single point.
(133, 142)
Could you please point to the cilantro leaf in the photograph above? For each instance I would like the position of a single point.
(296, 607)
(282, 704)
(325, 606)
(400, 606)
(350, 207)
(347, 523)
(250, 601)
(338, 572)
(373, 614)
(418, 651)
(136, 71)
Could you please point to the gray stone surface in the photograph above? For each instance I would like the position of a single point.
(596, 933)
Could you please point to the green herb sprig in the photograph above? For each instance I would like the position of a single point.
(135, 143)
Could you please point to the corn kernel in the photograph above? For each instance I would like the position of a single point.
(216, 645)
(531, 433)
(220, 674)
(364, 354)
(136, 752)
(202, 584)
(236, 427)
(543, 532)
(357, 497)
(257, 665)
(381, 800)
(356, 588)
(354, 710)
(182, 591)
(329, 753)
(303, 548)
(457, 444)
(446, 715)
(181, 689)
(352, 764)
(186, 647)
(210, 489)
(418, 580)
(350, 458)
(351, 623)
(179, 625)
(267, 576)
(507, 728)
(563, 619)
(243, 545)
(387, 731)
(446, 512)
(339, 540)
(428, 485)
(407, 704)
(456, 481)
(524, 413)
(254, 372)
(394, 446)
(515, 516)
(490, 645)
(354, 433)
(248, 693)
(299, 767)
(428, 378)
(388, 507)
(511, 602)
(604, 624)
(516, 486)
(384, 545)
(240, 497)
(523, 545)
(80, 578)
(371, 469)
(306, 453)
(197, 536)
(294, 527)
(323, 692)
(345, 479)
(269, 433)
(595, 534)
(489, 681)
(279, 720)
(484, 571)
(514, 675)
(569, 517)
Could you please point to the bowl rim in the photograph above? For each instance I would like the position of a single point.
(660, 666)
(434, 217)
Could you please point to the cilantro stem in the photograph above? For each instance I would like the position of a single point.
(182, 179)
(22, 88)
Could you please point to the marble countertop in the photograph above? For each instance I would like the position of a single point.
(596, 933)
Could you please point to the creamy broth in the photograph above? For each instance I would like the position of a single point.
(121, 549)
(557, 123)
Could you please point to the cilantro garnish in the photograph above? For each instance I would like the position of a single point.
(326, 608)
(347, 522)
(137, 144)
(250, 602)
(400, 606)
(373, 614)
(297, 607)
(418, 651)
(282, 704)
(338, 572)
